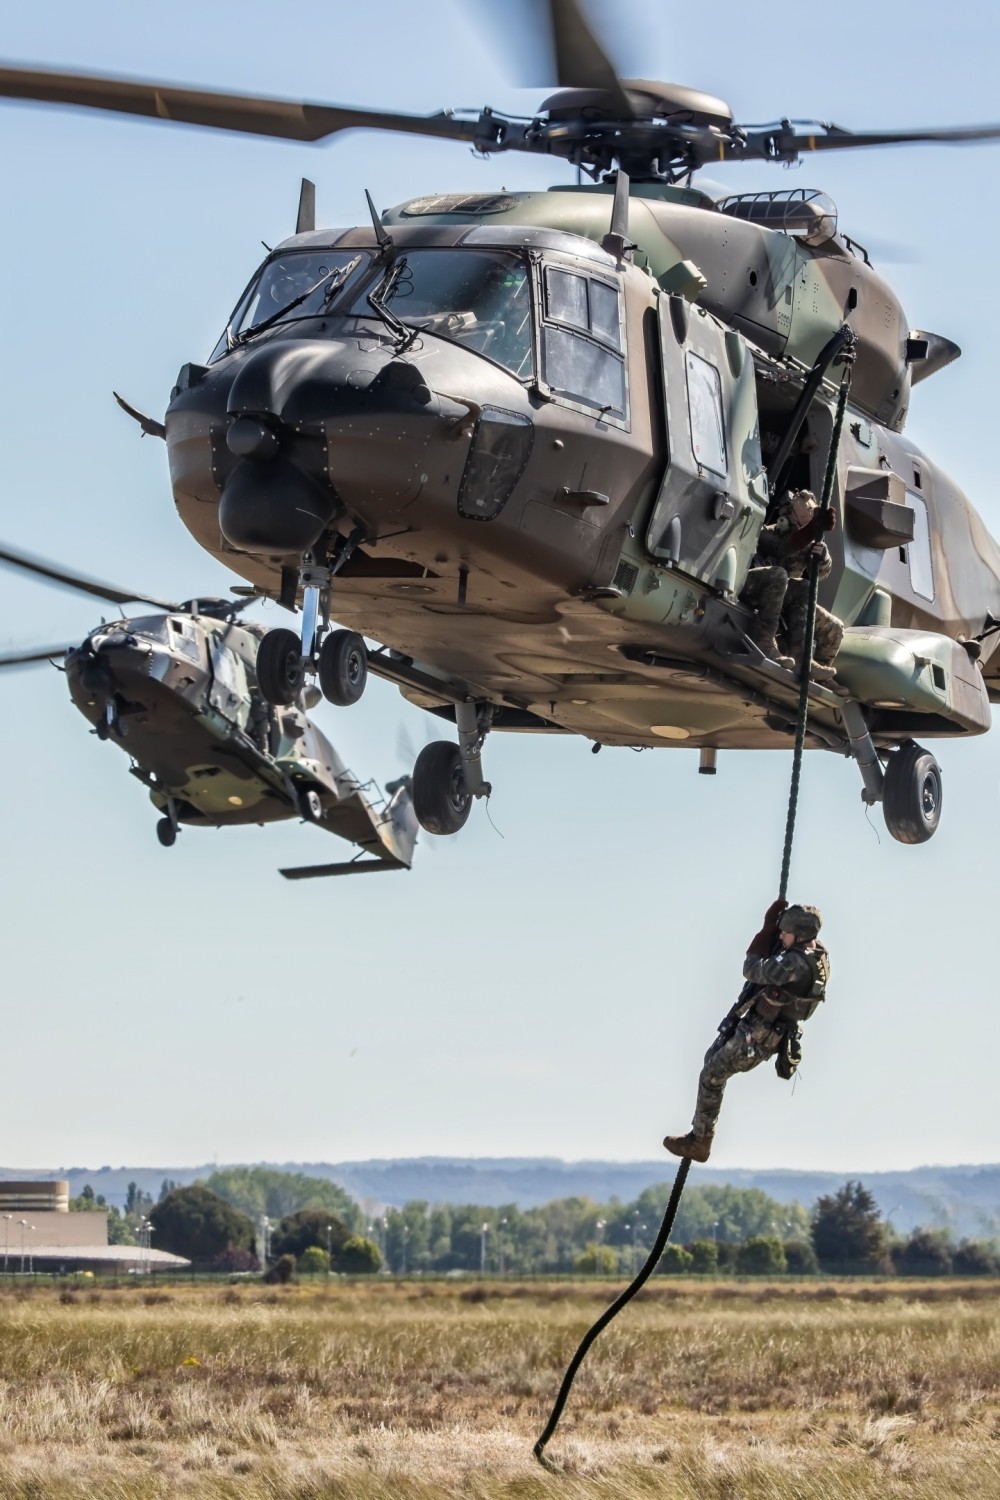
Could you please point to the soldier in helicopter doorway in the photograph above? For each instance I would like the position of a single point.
(777, 584)
(787, 972)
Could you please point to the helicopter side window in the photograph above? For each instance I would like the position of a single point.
(582, 340)
(708, 434)
(182, 635)
(583, 303)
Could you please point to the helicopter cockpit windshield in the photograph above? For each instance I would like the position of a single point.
(275, 292)
(478, 298)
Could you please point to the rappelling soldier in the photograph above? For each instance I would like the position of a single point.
(787, 972)
(778, 584)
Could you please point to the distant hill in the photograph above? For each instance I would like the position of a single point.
(964, 1199)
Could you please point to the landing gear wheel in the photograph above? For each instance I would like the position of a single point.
(280, 670)
(343, 667)
(310, 806)
(440, 799)
(911, 799)
(166, 833)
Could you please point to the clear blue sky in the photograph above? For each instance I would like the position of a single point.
(550, 991)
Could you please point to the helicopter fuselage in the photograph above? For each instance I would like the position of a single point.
(556, 459)
(178, 693)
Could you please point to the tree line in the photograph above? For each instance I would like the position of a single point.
(253, 1218)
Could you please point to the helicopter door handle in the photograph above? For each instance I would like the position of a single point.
(585, 497)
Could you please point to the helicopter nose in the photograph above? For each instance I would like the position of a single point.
(277, 498)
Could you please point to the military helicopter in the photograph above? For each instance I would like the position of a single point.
(527, 441)
(177, 692)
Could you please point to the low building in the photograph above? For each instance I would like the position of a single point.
(39, 1233)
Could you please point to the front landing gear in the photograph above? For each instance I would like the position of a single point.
(280, 668)
(343, 667)
(337, 657)
(447, 777)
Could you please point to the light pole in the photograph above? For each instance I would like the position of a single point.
(329, 1252)
(715, 1231)
(6, 1234)
(635, 1228)
(265, 1241)
(500, 1224)
(599, 1229)
(24, 1224)
(484, 1231)
(405, 1235)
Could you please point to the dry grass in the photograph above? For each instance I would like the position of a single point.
(416, 1391)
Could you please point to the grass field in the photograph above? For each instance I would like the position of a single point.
(387, 1391)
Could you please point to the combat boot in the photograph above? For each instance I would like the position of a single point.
(818, 670)
(697, 1147)
(767, 644)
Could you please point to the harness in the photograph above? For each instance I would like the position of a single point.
(796, 1002)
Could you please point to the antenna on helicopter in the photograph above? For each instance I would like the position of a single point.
(381, 233)
(305, 221)
(616, 241)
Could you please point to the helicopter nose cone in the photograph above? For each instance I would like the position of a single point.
(274, 507)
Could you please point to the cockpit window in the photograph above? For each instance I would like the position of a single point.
(474, 297)
(279, 283)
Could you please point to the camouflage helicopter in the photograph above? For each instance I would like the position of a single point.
(527, 441)
(177, 691)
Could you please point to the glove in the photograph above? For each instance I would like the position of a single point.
(812, 531)
(764, 940)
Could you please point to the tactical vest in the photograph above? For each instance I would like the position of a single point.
(797, 1003)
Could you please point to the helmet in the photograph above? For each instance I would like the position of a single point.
(804, 922)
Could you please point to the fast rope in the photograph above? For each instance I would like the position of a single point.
(802, 718)
(846, 357)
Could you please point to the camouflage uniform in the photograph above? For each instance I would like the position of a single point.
(764, 593)
(754, 1040)
(776, 548)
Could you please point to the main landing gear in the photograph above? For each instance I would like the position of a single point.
(447, 777)
(167, 828)
(909, 786)
(911, 799)
(337, 657)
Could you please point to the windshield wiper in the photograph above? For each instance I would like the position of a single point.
(377, 300)
(333, 281)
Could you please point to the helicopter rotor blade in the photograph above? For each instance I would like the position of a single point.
(581, 62)
(782, 143)
(285, 119)
(78, 581)
(33, 656)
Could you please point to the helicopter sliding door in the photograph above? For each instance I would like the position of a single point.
(714, 494)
